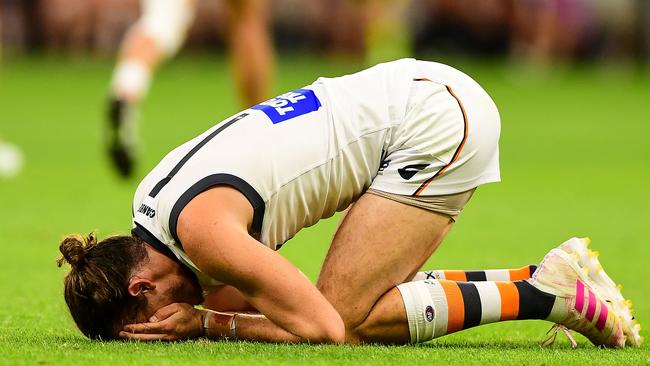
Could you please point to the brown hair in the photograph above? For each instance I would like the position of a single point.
(96, 286)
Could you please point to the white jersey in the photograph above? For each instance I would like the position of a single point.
(309, 153)
(298, 158)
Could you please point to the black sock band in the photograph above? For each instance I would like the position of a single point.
(533, 303)
(472, 303)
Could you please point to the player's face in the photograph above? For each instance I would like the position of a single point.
(169, 283)
(176, 288)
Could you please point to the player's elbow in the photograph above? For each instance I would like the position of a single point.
(330, 334)
(336, 332)
(329, 330)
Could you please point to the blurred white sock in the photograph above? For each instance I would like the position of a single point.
(131, 80)
(11, 160)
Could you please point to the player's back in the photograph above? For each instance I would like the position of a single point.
(297, 158)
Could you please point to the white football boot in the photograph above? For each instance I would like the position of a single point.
(581, 306)
(588, 261)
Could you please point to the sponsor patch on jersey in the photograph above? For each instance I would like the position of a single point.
(289, 105)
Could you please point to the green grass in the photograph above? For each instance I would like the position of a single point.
(575, 160)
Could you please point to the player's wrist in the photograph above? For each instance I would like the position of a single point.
(204, 321)
(218, 325)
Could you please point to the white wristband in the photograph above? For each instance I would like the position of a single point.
(233, 327)
(206, 322)
(232, 324)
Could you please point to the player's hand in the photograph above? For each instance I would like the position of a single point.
(173, 322)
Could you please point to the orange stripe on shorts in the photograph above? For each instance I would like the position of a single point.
(456, 276)
(455, 306)
(458, 150)
(520, 274)
(509, 300)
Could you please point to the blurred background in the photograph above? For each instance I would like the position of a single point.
(93, 93)
(532, 37)
(538, 31)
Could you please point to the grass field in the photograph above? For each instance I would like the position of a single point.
(575, 160)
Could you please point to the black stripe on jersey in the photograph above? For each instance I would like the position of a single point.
(476, 276)
(151, 239)
(472, 302)
(163, 182)
(214, 180)
(533, 303)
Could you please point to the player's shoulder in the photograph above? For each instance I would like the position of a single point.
(381, 77)
(400, 66)
(147, 185)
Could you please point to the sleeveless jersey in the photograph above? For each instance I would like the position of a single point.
(297, 158)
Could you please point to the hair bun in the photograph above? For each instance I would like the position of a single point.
(74, 249)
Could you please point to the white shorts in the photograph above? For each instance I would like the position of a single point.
(167, 22)
(448, 141)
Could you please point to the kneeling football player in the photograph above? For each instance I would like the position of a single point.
(403, 145)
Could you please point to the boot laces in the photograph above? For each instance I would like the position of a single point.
(552, 335)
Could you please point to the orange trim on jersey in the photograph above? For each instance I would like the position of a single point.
(509, 300)
(519, 274)
(458, 150)
(456, 276)
(455, 306)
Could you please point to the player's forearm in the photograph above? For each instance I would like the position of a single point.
(248, 327)
(226, 299)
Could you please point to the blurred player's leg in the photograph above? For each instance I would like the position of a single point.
(11, 158)
(643, 11)
(157, 35)
(251, 49)
(387, 34)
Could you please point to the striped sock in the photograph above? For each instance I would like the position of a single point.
(438, 307)
(517, 274)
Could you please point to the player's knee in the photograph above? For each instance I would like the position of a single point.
(352, 317)
(384, 323)
(374, 330)
(353, 307)
(359, 334)
(360, 326)
(352, 313)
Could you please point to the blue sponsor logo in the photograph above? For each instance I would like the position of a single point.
(289, 105)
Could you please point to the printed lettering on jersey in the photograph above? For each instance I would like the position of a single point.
(146, 208)
(147, 211)
(289, 105)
